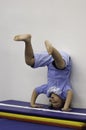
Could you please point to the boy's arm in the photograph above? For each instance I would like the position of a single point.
(33, 99)
(68, 101)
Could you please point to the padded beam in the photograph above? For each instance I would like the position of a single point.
(19, 107)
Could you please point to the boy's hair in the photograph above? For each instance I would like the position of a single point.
(52, 107)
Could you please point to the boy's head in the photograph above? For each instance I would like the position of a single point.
(56, 101)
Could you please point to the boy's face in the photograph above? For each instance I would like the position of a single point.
(55, 101)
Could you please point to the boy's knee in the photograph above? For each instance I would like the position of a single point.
(29, 62)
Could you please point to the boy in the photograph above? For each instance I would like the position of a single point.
(58, 88)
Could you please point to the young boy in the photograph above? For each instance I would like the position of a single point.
(58, 88)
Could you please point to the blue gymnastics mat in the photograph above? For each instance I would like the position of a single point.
(21, 107)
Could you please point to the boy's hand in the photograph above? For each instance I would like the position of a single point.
(65, 109)
(36, 106)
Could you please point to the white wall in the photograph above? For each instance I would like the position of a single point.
(63, 22)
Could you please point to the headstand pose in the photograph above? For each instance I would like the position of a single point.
(58, 88)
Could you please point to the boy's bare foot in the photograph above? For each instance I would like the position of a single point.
(23, 37)
(49, 47)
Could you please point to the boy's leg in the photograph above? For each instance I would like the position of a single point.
(55, 54)
(29, 55)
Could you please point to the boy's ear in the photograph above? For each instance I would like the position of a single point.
(49, 99)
